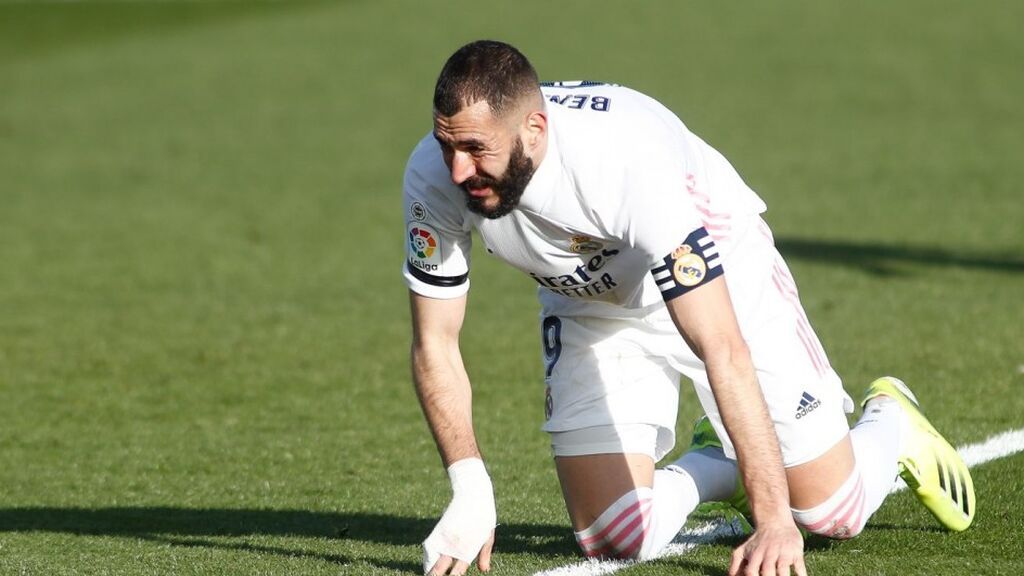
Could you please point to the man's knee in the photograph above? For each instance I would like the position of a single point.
(620, 531)
(842, 515)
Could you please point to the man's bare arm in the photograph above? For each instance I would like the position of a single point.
(466, 530)
(706, 320)
(440, 376)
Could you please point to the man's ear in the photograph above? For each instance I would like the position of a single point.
(536, 129)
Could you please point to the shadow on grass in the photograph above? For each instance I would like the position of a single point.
(340, 559)
(194, 528)
(884, 260)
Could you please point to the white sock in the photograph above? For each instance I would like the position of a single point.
(622, 530)
(714, 474)
(703, 475)
(876, 446)
(675, 496)
(643, 521)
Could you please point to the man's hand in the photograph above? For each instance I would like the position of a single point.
(773, 549)
(466, 530)
(448, 565)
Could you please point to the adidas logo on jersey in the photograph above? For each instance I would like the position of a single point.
(807, 405)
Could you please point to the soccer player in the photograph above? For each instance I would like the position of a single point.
(652, 261)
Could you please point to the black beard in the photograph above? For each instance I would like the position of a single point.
(509, 188)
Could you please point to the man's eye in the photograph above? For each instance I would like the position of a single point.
(476, 151)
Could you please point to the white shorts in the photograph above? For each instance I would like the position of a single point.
(624, 371)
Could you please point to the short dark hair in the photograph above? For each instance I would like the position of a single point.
(487, 70)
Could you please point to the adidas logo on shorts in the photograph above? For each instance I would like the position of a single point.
(807, 405)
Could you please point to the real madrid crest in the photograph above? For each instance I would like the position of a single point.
(581, 244)
(689, 268)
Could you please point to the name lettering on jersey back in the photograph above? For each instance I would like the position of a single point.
(580, 101)
(585, 281)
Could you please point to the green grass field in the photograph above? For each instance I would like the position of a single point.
(203, 327)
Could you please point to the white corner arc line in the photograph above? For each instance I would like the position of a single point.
(994, 448)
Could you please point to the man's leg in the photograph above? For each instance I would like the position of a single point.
(619, 505)
(837, 477)
(612, 404)
(891, 437)
(835, 494)
(832, 495)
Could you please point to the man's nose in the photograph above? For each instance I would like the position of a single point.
(463, 167)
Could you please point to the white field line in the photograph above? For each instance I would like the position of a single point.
(994, 448)
(683, 543)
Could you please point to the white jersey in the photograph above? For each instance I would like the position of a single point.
(627, 208)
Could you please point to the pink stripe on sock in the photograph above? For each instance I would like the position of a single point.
(613, 548)
(858, 491)
(633, 549)
(844, 525)
(625, 539)
(590, 541)
(642, 520)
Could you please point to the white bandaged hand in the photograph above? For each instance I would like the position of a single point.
(469, 518)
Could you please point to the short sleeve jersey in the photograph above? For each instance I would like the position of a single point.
(622, 213)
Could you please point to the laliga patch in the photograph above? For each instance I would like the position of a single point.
(692, 264)
(424, 246)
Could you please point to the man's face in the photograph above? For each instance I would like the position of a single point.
(486, 158)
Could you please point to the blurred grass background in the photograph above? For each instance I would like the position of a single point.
(203, 329)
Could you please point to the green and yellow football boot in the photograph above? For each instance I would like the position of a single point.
(928, 464)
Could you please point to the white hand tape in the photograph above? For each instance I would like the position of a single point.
(468, 520)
